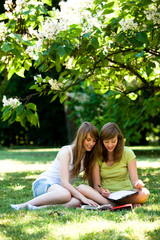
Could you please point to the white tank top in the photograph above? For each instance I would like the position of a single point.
(54, 171)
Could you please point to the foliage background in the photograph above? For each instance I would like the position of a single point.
(52, 131)
(121, 85)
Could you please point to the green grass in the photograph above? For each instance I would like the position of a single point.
(20, 167)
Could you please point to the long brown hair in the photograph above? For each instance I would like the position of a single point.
(109, 131)
(78, 152)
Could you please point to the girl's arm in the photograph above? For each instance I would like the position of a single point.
(97, 181)
(132, 168)
(64, 158)
(96, 178)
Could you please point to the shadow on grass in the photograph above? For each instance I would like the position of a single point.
(20, 230)
(115, 235)
(31, 157)
(147, 152)
(16, 187)
(150, 214)
(154, 235)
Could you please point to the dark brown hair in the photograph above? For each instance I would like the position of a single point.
(109, 131)
(78, 153)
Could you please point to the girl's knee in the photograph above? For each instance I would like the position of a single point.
(82, 187)
(144, 195)
(66, 195)
(76, 203)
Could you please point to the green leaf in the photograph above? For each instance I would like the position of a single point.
(86, 35)
(13, 118)
(3, 16)
(6, 109)
(42, 9)
(20, 72)
(20, 110)
(140, 54)
(62, 98)
(6, 47)
(22, 120)
(48, 2)
(108, 5)
(35, 120)
(132, 96)
(135, 42)
(58, 64)
(26, 12)
(21, 40)
(107, 11)
(61, 51)
(95, 42)
(10, 73)
(27, 64)
(75, 31)
(2, 67)
(120, 37)
(68, 50)
(35, 86)
(7, 113)
(31, 106)
(54, 97)
(142, 37)
(17, 53)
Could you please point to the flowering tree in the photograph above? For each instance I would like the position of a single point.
(111, 45)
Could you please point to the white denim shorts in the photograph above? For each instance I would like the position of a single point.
(40, 186)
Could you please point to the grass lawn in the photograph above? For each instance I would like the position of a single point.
(20, 167)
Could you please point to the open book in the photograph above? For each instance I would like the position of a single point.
(121, 194)
(108, 207)
(100, 207)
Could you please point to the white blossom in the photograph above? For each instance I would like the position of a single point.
(33, 50)
(13, 102)
(39, 80)
(153, 15)
(3, 31)
(70, 63)
(18, 7)
(128, 24)
(8, 4)
(55, 85)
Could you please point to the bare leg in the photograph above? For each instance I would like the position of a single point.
(73, 203)
(93, 194)
(56, 195)
(139, 198)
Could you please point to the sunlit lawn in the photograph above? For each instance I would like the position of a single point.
(20, 167)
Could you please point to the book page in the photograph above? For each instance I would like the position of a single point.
(100, 207)
(121, 194)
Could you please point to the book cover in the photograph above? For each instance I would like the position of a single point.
(127, 206)
(121, 194)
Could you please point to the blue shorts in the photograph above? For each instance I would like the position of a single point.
(40, 186)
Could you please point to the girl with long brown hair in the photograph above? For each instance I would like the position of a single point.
(115, 170)
(54, 186)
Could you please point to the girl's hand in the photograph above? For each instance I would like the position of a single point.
(89, 201)
(105, 193)
(139, 184)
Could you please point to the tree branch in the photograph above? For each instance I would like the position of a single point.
(122, 65)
